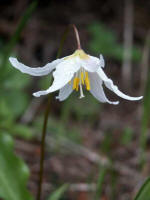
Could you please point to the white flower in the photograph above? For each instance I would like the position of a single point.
(75, 72)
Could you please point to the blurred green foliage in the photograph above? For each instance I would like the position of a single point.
(107, 143)
(104, 41)
(127, 136)
(145, 122)
(13, 172)
(12, 93)
(146, 110)
(58, 129)
(87, 109)
(13, 98)
(13, 102)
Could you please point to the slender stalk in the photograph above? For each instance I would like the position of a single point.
(64, 36)
(43, 150)
(128, 42)
(77, 36)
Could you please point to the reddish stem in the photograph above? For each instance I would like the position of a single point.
(77, 36)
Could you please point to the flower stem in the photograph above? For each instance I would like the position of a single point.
(77, 36)
(39, 193)
(43, 150)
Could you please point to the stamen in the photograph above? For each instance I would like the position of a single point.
(87, 81)
(77, 84)
(74, 83)
(82, 78)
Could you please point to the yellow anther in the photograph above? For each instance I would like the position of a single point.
(82, 78)
(76, 83)
(87, 81)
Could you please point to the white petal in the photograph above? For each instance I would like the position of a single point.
(65, 92)
(97, 89)
(62, 75)
(109, 84)
(91, 64)
(102, 62)
(37, 71)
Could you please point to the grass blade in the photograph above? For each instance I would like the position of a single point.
(102, 173)
(56, 195)
(144, 192)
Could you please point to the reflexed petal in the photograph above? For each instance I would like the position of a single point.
(65, 92)
(97, 89)
(62, 75)
(91, 64)
(37, 71)
(102, 62)
(109, 84)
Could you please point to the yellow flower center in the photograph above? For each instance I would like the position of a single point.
(80, 53)
(81, 78)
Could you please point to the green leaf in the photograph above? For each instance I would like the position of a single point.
(144, 192)
(56, 195)
(16, 101)
(5, 112)
(100, 181)
(16, 80)
(13, 172)
(22, 131)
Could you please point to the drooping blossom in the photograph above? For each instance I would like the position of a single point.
(76, 72)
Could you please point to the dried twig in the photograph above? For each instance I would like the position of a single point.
(128, 42)
(145, 62)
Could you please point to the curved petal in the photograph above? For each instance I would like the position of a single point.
(37, 71)
(62, 75)
(90, 64)
(65, 92)
(109, 84)
(97, 89)
(102, 62)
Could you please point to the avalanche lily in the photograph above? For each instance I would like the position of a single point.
(75, 72)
